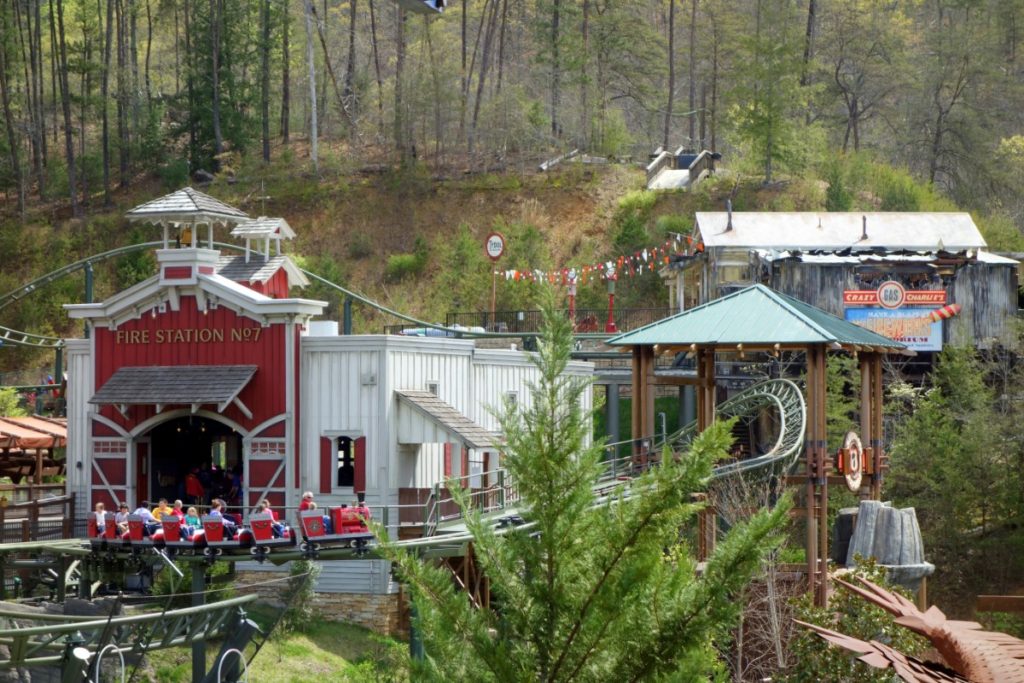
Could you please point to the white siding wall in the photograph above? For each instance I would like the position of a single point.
(80, 390)
(414, 366)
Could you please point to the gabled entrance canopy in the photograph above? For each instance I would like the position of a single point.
(424, 418)
(192, 385)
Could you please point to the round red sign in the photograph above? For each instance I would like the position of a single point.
(495, 245)
(891, 294)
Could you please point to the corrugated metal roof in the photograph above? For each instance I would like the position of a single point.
(756, 315)
(915, 231)
(263, 227)
(174, 384)
(450, 418)
(187, 205)
(845, 257)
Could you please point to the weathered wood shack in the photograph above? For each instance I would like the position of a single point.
(926, 278)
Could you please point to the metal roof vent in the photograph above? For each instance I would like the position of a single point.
(728, 208)
(864, 228)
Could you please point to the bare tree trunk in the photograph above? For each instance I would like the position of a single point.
(556, 69)
(65, 95)
(485, 60)
(464, 89)
(693, 71)
(85, 83)
(285, 75)
(349, 119)
(218, 139)
(190, 62)
(5, 99)
(376, 67)
(584, 81)
(312, 88)
(40, 95)
(805, 76)
(501, 42)
(348, 92)
(122, 101)
(133, 62)
(400, 141)
(37, 138)
(149, 50)
(104, 90)
(436, 83)
(265, 76)
(671, 71)
(177, 57)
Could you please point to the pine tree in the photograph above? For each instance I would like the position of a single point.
(587, 588)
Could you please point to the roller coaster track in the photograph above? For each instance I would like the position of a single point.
(47, 642)
(21, 338)
(781, 396)
(786, 400)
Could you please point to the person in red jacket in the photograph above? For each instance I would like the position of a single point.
(307, 501)
(194, 488)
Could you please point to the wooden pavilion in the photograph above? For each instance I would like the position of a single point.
(27, 446)
(759, 319)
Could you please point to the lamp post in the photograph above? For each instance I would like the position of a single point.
(572, 297)
(610, 278)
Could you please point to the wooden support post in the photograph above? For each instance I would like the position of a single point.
(866, 422)
(702, 419)
(636, 402)
(649, 362)
(810, 460)
(822, 482)
(877, 435)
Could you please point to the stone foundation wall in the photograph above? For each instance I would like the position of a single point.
(379, 613)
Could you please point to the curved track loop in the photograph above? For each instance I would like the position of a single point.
(787, 400)
(21, 338)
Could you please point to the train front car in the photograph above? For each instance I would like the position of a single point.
(342, 527)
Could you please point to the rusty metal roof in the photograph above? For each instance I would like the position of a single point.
(32, 432)
(757, 315)
(174, 384)
(186, 206)
(806, 230)
(448, 417)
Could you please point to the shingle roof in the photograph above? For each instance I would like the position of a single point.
(263, 227)
(755, 315)
(178, 384)
(916, 231)
(258, 269)
(450, 418)
(186, 205)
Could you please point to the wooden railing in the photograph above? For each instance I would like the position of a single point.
(35, 520)
(705, 161)
(663, 159)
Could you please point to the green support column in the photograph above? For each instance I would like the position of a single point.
(415, 642)
(88, 291)
(346, 324)
(198, 599)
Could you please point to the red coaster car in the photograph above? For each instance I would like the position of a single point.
(109, 530)
(261, 525)
(349, 530)
(221, 536)
(175, 535)
(137, 533)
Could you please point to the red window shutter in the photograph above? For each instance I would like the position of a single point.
(326, 464)
(447, 460)
(465, 467)
(359, 477)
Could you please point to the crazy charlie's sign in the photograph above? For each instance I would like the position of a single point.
(893, 295)
(202, 335)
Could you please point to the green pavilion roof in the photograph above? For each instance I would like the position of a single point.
(757, 315)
